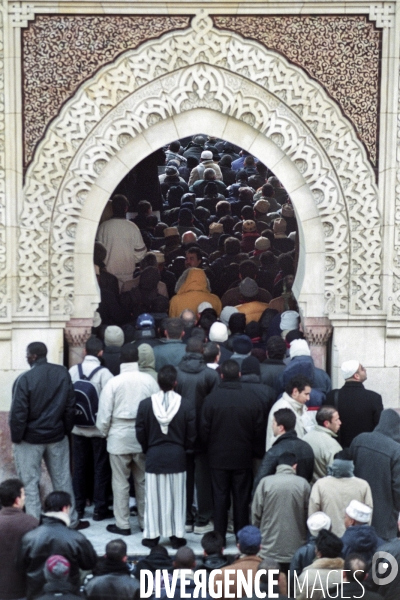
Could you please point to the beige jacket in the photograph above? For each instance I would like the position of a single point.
(279, 510)
(325, 571)
(324, 444)
(125, 247)
(299, 410)
(332, 495)
(244, 563)
(118, 406)
(198, 172)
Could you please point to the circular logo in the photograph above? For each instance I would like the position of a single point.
(384, 568)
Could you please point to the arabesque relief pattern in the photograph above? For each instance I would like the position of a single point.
(82, 45)
(394, 301)
(219, 70)
(3, 258)
(341, 52)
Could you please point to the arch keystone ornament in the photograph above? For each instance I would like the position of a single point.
(206, 80)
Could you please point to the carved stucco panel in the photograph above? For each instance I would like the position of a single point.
(274, 97)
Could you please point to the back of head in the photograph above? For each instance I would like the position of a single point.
(150, 260)
(248, 269)
(188, 317)
(267, 564)
(116, 550)
(267, 190)
(232, 246)
(119, 205)
(174, 328)
(129, 354)
(159, 549)
(230, 370)
(250, 366)
(167, 378)
(175, 146)
(94, 346)
(209, 174)
(184, 559)
(237, 323)
(100, 254)
(210, 352)
(249, 540)
(143, 207)
(241, 175)
(55, 501)
(38, 348)
(325, 413)
(287, 458)
(207, 318)
(285, 417)
(10, 490)
(194, 344)
(212, 543)
(276, 347)
(328, 544)
(355, 567)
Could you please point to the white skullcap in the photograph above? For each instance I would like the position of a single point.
(349, 368)
(218, 332)
(359, 512)
(318, 521)
(202, 306)
(290, 320)
(299, 348)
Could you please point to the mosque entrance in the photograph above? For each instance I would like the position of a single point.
(228, 87)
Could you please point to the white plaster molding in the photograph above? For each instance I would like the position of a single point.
(221, 71)
(383, 13)
(21, 13)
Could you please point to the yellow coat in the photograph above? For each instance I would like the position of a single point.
(192, 293)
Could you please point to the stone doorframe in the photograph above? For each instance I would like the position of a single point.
(190, 81)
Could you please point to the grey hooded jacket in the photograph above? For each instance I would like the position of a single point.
(376, 457)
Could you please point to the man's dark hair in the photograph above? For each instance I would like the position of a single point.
(149, 260)
(222, 208)
(129, 354)
(328, 544)
(159, 549)
(188, 197)
(248, 269)
(212, 543)
(355, 566)
(267, 190)
(116, 550)
(93, 346)
(267, 258)
(230, 370)
(344, 454)
(300, 382)
(10, 490)
(247, 213)
(174, 328)
(194, 344)
(195, 250)
(232, 246)
(241, 175)
(325, 413)
(249, 161)
(167, 377)
(276, 347)
(287, 458)
(119, 205)
(143, 207)
(37, 348)
(285, 417)
(211, 189)
(207, 318)
(210, 352)
(151, 221)
(295, 334)
(175, 146)
(55, 501)
(184, 558)
(237, 323)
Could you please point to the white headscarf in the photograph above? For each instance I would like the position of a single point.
(165, 406)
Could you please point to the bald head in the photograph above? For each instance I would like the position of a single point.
(189, 237)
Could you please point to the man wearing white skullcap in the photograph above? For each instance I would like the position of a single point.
(360, 536)
(306, 554)
(359, 409)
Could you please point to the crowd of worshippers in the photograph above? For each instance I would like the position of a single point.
(208, 409)
(234, 223)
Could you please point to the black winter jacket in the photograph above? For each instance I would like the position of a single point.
(53, 537)
(287, 442)
(376, 458)
(112, 582)
(232, 426)
(303, 557)
(43, 404)
(166, 453)
(195, 382)
(359, 410)
(58, 590)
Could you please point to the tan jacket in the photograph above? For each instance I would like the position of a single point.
(198, 172)
(325, 571)
(125, 247)
(332, 495)
(279, 510)
(193, 292)
(324, 444)
(244, 563)
(253, 310)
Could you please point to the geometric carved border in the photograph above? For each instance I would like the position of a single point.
(201, 67)
(3, 257)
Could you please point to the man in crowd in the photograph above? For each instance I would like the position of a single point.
(41, 418)
(322, 440)
(116, 419)
(172, 349)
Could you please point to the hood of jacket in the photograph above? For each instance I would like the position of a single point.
(361, 538)
(192, 362)
(341, 468)
(389, 424)
(146, 357)
(196, 281)
(331, 564)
